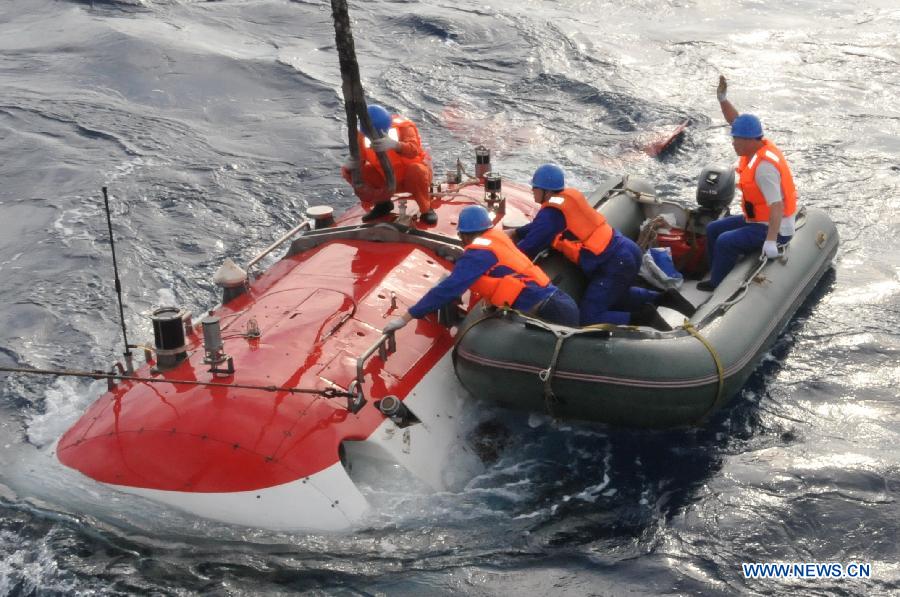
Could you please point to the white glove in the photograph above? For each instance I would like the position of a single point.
(770, 249)
(384, 144)
(722, 89)
(351, 164)
(393, 325)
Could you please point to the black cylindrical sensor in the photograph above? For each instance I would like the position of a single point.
(482, 161)
(168, 328)
(492, 182)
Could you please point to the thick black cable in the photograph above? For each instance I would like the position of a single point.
(354, 96)
(112, 244)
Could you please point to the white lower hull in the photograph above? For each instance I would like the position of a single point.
(434, 450)
(325, 501)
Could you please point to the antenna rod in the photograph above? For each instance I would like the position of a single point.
(129, 366)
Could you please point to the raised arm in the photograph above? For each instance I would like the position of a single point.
(728, 110)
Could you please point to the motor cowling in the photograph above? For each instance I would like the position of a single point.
(715, 189)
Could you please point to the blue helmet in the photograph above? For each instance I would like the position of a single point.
(474, 218)
(747, 126)
(549, 177)
(381, 118)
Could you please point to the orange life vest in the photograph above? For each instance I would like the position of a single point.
(505, 290)
(404, 131)
(754, 202)
(588, 226)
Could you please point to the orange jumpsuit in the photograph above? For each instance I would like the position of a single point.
(410, 162)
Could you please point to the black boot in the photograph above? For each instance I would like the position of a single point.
(429, 217)
(673, 299)
(649, 316)
(706, 286)
(379, 211)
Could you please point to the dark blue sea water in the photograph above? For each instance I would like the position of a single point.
(215, 123)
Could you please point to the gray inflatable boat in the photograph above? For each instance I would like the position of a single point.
(639, 376)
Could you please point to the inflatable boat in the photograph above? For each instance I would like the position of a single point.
(638, 376)
(263, 411)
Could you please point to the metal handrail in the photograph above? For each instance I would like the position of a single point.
(305, 223)
(385, 346)
(445, 247)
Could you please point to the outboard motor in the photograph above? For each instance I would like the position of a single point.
(715, 190)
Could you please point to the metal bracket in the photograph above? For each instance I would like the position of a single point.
(229, 369)
(112, 381)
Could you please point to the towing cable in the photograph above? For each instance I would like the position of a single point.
(327, 392)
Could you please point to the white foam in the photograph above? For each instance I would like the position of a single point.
(64, 402)
(165, 296)
(31, 567)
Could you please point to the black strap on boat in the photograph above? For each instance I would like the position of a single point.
(326, 393)
(354, 96)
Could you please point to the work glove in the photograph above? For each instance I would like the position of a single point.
(384, 144)
(351, 164)
(770, 249)
(722, 89)
(393, 325)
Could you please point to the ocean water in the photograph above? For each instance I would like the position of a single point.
(215, 124)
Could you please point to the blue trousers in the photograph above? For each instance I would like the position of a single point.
(560, 309)
(609, 296)
(730, 238)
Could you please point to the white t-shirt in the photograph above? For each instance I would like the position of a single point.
(768, 179)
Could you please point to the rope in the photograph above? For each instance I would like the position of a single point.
(546, 376)
(601, 327)
(502, 311)
(327, 393)
(462, 334)
(719, 369)
(647, 235)
(741, 292)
